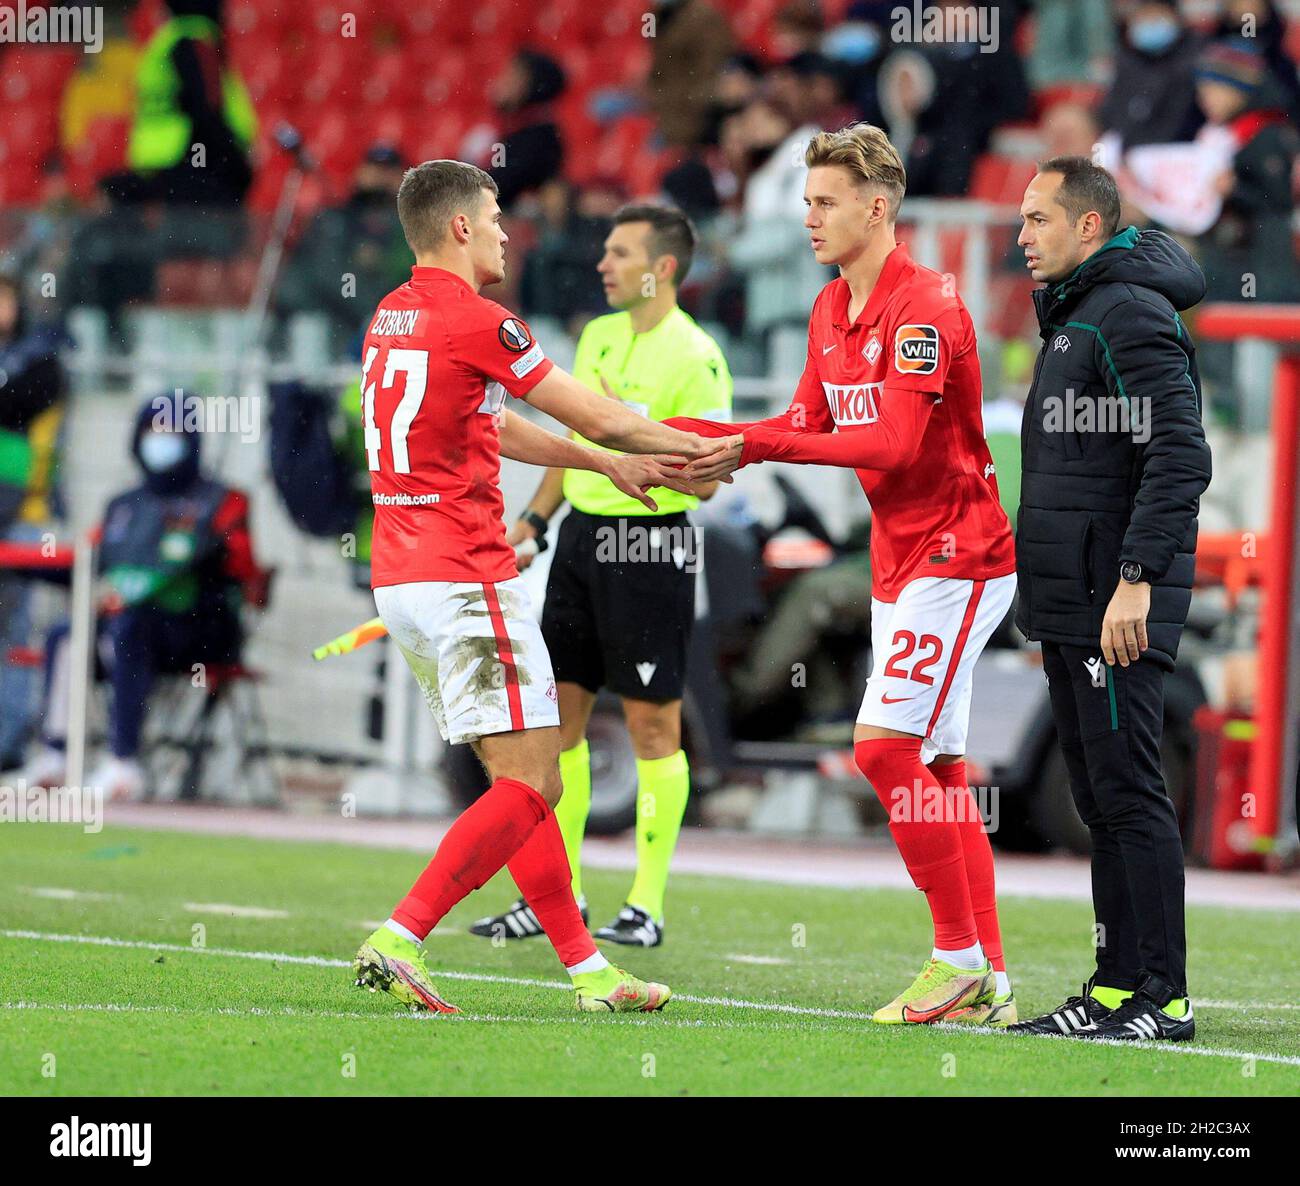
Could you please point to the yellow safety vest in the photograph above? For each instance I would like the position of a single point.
(160, 136)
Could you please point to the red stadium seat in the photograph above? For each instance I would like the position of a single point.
(1086, 94)
(20, 184)
(35, 74)
(101, 151)
(1000, 179)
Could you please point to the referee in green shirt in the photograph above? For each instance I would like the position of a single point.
(620, 598)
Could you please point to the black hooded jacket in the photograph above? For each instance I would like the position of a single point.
(1113, 453)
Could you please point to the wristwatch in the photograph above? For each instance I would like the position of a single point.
(535, 521)
(1130, 571)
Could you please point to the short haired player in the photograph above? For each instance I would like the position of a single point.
(624, 622)
(891, 388)
(439, 361)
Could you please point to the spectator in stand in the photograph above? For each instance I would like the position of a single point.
(1260, 23)
(33, 388)
(859, 44)
(691, 44)
(189, 95)
(361, 238)
(1073, 42)
(188, 167)
(770, 245)
(737, 86)
(797, 28)
(973, 92)
(1066, 129)
(559, 274)
(1248, 253)
(812, 90)
(1153, 97)
(529, 152)
(1253, 234)
(177, 557)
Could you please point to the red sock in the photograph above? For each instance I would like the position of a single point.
(484, 837)
(541, 871)
(931, 848)
(979, 858)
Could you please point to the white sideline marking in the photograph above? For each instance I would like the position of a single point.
(320, 961)
(763, 960)
(403, 1015)
(61, 894)
(235, 911)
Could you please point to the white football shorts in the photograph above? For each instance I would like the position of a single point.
(923, 652)
(476, 651)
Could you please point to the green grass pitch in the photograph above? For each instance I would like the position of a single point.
(774, 983)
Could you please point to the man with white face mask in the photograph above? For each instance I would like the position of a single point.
(176, 559)
(1153, 97)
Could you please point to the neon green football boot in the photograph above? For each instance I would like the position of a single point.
(998, 1011)
(389, 962)
(612, 990)
(940, 989)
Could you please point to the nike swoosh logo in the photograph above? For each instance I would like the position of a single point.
(927, 1015)
(895, 699)
(828, 349)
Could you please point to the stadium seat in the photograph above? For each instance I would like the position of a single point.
(102, 151)
(1000, 179)
(1086, 94)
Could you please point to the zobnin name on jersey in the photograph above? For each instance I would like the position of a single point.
(853, 403)
(394, 323)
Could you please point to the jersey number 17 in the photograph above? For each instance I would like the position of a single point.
(414, 364)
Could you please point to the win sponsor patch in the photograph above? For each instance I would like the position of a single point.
(916, 350)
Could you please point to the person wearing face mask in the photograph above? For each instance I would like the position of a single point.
(176, 561)
(1153, 97)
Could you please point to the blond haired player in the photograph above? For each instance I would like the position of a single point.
(891, 388)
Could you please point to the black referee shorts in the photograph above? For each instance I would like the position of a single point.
(620, 601)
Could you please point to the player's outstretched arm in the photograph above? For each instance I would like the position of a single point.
(530, 443)
(609, 422)
(890, 443)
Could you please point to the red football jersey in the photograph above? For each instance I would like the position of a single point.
(938, 516)
(437, 364)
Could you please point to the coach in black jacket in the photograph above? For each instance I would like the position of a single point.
(1114, 463)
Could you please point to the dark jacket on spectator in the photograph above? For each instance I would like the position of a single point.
(531, 148)
(1153, 97)
(1253, 234)
(1091, 499)
(974, 92)
(1270, 41)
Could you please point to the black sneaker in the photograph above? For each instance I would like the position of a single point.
(1077, 1016)
(1142, 1019)
(633, 927)
(519, 922)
